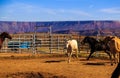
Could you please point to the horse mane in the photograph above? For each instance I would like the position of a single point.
(4, 35)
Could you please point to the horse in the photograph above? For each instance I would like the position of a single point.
(71, 46)
(4, 35)
(116, 72)
(96, 45)
(114, 45)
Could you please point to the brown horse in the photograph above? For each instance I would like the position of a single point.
(2, 38)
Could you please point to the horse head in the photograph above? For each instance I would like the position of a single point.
(5, 35)
(67, 43)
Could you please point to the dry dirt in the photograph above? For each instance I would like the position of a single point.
(13, 65)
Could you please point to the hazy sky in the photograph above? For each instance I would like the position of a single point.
(59, 10)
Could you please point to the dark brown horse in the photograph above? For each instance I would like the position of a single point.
(2, 38)
(96, 45)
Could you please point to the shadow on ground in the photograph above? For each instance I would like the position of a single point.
(33, 75)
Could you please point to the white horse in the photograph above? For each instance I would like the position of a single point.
(71, 46)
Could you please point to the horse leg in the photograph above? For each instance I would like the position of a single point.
(109, 56)
(69, 56)
(76, 53)
(79, 49)
(91, 52)
(119, 57)
(115, 59)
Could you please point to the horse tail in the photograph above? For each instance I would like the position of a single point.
(117, 44)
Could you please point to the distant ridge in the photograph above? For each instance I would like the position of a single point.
(64, 27)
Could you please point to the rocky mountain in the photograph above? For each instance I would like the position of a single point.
(74, 27)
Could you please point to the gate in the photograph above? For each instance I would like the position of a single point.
(50, 43)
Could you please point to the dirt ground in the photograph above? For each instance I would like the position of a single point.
(15, 65)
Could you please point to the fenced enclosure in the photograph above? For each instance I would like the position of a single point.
(43, 42)
(19, 43)
(53, 43)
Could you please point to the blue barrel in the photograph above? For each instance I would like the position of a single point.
(25, 44)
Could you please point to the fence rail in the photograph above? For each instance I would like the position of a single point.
(25, 42)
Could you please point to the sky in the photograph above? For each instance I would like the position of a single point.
(59, 10)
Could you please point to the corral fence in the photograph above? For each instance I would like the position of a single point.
(43, 42)
(19, 43)
(52, 43)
